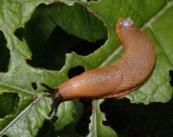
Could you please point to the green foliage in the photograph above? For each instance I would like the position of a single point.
(23, 110)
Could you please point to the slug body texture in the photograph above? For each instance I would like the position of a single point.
(121, 77)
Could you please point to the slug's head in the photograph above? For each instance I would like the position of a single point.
(123, 25)
(56, 97)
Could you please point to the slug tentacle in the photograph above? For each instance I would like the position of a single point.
(123, 76)
(56, 98)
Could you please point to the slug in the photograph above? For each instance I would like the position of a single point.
(119, 78)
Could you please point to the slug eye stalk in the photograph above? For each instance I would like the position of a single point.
(56, 98)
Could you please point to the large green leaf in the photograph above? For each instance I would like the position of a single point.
(154, 20)
(33, 107)
(153, 16)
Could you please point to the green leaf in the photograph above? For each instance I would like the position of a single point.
(97, 129)
(23, 120)
(8, 103)
(153, 20)
(154, 17)
(74, 110)
(28, 122)
(81, 24)
(157, 88)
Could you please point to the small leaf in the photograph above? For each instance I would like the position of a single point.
(73, 109)
(96, 127)
(78, 21)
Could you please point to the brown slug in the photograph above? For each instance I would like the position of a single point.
(119, 78)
